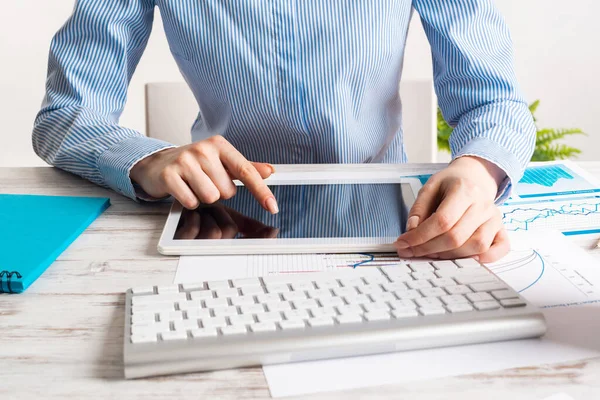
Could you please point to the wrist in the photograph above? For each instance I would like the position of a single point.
(493, 176)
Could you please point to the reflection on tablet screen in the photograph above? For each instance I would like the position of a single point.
(305, 211)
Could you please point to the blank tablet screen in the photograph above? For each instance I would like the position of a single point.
(305, 211)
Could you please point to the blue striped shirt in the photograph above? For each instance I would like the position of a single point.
(284, 81)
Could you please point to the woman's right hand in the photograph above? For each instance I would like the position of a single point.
(203, 172)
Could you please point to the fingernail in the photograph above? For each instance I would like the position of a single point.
(476, 258)
(412, 222)
(401, 244)
(436, 256)
(272, 168)
(272, 205)
(406, 253)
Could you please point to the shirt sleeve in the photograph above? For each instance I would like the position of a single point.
(476, 84)
(92, 59)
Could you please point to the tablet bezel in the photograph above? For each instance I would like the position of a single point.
(169, 246)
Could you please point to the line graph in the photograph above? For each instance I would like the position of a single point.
(571, 215)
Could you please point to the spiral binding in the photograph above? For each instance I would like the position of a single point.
(9, 275)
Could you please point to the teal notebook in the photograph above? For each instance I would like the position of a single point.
(35, 230)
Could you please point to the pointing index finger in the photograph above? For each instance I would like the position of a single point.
(240, 168)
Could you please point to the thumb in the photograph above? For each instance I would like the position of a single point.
(423, 207)
(264, 169)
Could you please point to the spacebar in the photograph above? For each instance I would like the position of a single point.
(319, 276)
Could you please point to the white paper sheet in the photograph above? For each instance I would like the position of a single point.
(559, 396)
(548, 269)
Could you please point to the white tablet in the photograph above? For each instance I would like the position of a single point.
(318, 213)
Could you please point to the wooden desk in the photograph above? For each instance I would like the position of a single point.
(63, 338)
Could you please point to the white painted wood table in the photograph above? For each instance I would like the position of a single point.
(63, 338)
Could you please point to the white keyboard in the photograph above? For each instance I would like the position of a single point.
(285, 318)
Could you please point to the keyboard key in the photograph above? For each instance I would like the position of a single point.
(296, 314)
(268, 298)
(433, 292)
(372, 307)
(331, 302)
(240, 283)
(385, 296)
(392, 287)
(327, 284)
(232, 330)
(242, 300)
(369, 289)
(201, 294)
(421, 266)
(174, 335)
(423, 275)
(167, 289)
(345, 291)
(407, 294)
(376, 279)
(459, 307)
(488, 287)
(428, 302)
(252, 309)
(318, 293)
(204, 333)
(505, 294)
(190, 305)
(197, 313)
(227, 293)
(142, 290)
(323, 321)
(186, 324)
(400, 278)
(252, 290)
(467, 280)
(379, 315)
(212, 285)
(294, 295)
(323, 312)
(145, 317)
(405, 313)
(154, 308)
(352, 282)
(292, 325)
(432, 310)
(394, 270)
(305, 304)
(193, 286)
(467, 263)
(225, 311)
(349, 319)
(170, 316)
(213, 322)
(401, 304)
(418, 284)
(302, 286)
(278, 288)
(512, 303)
(458, 289)
(480, 296)
(443, 282)
(268, 317)
(358, 299)
(212, 303)
(445, 265)
(279, 306)
(158, 298)
(149, 329)
(486, 305)
(149, 338)
(454, 299)
(350, 309)
(244, 319)
(263, 327)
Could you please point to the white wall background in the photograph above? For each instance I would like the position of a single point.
(556, 44)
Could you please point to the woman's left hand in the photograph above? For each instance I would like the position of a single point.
(454, 215)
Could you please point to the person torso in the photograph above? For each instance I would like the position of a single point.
(294, 81)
